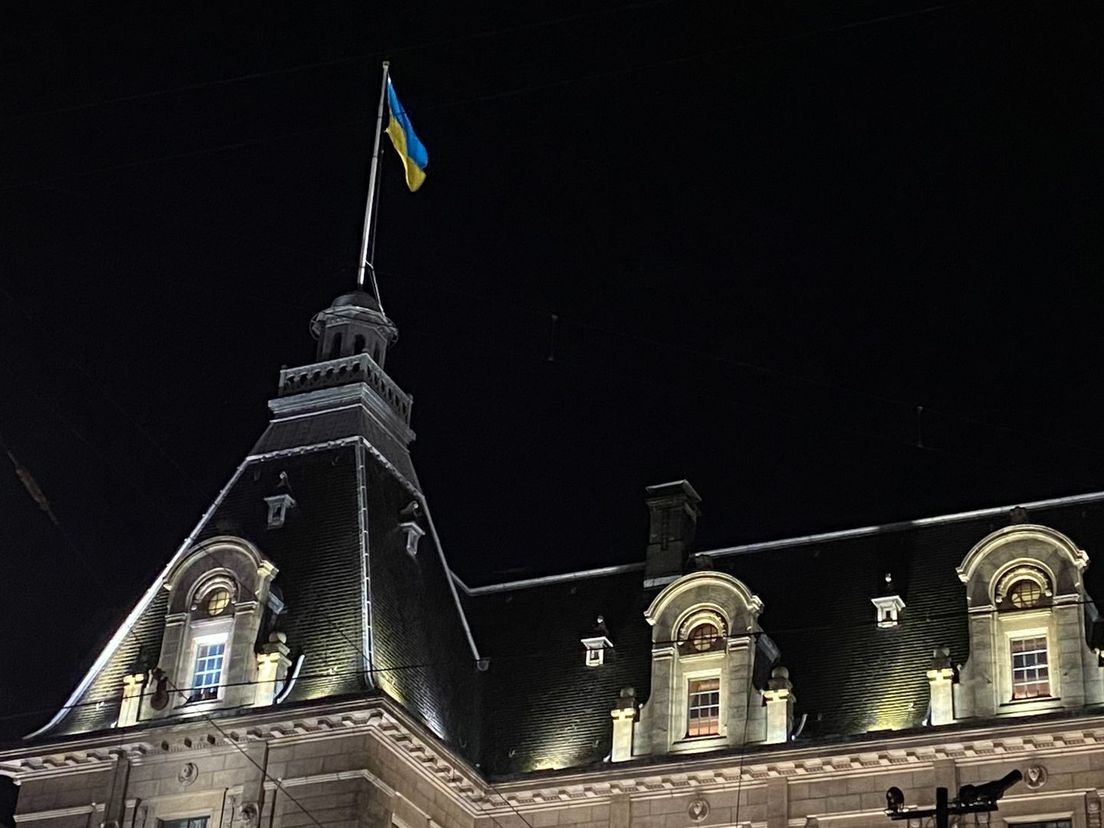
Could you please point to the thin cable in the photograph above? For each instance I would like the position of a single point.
(502, 94)
(363, 58)
(539, 654)
(675, 61)
(666, 346)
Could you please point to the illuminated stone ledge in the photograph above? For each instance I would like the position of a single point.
(410, 747)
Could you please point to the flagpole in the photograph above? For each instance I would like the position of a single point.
(370, 208)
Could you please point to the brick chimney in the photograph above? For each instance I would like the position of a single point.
(673, 510)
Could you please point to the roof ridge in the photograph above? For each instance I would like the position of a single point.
(784, 543)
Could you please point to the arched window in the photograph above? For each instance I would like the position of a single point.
(335, 346)
(1025, 594)
(1028, 643)
(210, 625)
(358, 344)
(702, 636)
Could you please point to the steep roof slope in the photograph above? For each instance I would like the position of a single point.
(544, 708)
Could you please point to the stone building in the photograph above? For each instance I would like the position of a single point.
(307, 658)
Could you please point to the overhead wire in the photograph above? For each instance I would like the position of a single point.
(667, 346)
(351, 59)
(566, 81)
(537, 654)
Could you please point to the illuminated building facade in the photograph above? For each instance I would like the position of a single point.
(308, 658)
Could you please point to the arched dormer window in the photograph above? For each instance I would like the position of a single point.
(1028, 645)
(211, 655)
(705, 642)
(210, 624)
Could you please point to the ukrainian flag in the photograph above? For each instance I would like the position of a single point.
(410, 149)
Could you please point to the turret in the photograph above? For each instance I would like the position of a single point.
(353, 324)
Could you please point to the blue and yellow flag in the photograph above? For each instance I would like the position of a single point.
(410, 149)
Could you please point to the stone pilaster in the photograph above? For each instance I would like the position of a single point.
(130, 707)
(272, 667)
(780, 706)
(624, 715)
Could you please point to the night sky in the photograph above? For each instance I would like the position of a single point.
(769, 232)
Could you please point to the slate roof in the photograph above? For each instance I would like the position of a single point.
(545, 708)
(354, 592)
(416, 640)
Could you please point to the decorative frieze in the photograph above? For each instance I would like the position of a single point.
(466, 787)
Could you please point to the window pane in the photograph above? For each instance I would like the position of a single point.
(1030, 669)
(208, 670)
(703, 707)
(703, 636)
(188, 822)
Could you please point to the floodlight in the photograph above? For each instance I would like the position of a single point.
(990, 792)
(895, 800)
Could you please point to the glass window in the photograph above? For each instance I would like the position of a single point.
(1054, 823)
(704, 707)
(188, 822)
(208, 669)
(218, 601)
(1025, 593)
(1030, 673)
(701, 638)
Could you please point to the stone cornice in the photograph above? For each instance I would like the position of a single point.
(451, 774)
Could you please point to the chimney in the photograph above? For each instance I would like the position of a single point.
(673, 510)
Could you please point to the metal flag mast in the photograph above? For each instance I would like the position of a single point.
(368, 238)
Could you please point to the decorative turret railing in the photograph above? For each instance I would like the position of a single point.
(335, 372)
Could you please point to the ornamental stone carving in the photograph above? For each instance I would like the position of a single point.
(698, 810)
(1035, 776)
(188, 774)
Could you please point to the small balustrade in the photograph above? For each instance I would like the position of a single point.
(335, 372)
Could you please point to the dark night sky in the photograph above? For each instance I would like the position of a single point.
(769, 231)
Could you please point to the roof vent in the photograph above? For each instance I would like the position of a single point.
(278, 507)
(414, 533)
(887, 605)
(597, 644)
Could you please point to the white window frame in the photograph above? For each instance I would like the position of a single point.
(1026, 624)
(691, 679)
(205, 641)
(1046, 650)
(204, 631)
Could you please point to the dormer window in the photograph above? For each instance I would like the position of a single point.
(209, 631)
(705, 645)
(1029, 648)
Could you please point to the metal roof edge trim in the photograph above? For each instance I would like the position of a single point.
(782, 543)
(547, 579)
(865, 531)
